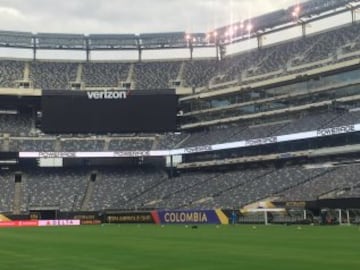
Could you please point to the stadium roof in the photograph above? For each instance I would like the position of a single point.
(286, 17)
(291, 15)
(113, 41)
(60, 41)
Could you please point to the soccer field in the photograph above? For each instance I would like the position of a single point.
(176, 247)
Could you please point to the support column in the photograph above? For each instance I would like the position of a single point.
(348, 216)
(87, 50)
(303, 29)
(140, 54)
(266, 218)
(340, 216)
(34, 47)
(34, 54)
(171, 166)
(260, 41)
(87, 55)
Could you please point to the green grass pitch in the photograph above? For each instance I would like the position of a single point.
(176, 247)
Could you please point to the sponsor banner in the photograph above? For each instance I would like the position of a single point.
(132, 154)
(260, 141)
(130, 217)
(107, 94)
(83, 216)
(224, 219)
(297, 204)
(90, 222)
(19, 223)
(57, 155)
(59, 222)
(198, 149)
(191, 217)
(335, 131)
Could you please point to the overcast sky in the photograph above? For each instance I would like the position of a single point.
(129, 16)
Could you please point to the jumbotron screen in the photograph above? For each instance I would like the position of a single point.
(108, 111)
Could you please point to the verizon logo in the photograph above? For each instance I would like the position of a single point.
(107, 94)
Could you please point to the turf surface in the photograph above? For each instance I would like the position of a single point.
(176, 247)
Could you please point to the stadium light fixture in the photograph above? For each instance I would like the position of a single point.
(249, 27)
(296, 12)
(231, 31)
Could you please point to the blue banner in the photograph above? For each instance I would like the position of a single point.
(191, 217)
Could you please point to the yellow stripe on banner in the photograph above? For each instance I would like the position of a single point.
(4, 218)
(222, 217)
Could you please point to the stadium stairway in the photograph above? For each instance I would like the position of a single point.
(131, 74)
(17, 197)
(94, 176)
(6, 143)
(57, 145)
(181, 71)
(79, 73)
(27, 71)
(182, 141)
(156, 143)
(106, 144)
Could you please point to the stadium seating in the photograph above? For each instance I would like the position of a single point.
(53, 75)
(151, 75)
(25, 138)
(114, 188)
(238, 132)
(335, 179)
(283, 58)
(104, 74)
(198, 73)
(59, 188)
(11, 72)
(70, 145)
(131, 144)
(7, 191)
(16, 124)
(170, 140)
(28, 144)
(145, 187)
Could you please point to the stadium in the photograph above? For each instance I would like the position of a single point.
(262, 130)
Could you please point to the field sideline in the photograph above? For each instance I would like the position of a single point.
(176, 247)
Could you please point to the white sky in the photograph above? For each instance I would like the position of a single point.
(129, 16)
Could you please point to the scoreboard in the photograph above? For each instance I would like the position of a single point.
(108, 111)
